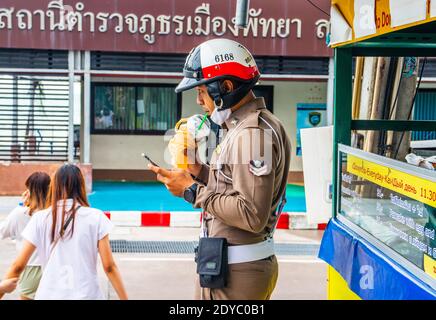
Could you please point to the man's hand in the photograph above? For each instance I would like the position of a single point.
(176, 180)
(8, 285)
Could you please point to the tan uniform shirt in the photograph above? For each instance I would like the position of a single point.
(247, 176)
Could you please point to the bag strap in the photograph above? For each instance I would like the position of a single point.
(277, 213)
(64, 228)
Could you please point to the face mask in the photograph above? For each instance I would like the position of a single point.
(219, 117)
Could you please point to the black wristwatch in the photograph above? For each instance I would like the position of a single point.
(190, 194)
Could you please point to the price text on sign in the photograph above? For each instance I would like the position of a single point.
(411, 186)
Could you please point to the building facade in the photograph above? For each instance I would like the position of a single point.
(93, 81)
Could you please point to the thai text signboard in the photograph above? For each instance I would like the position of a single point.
(281, 28)
(394, 202)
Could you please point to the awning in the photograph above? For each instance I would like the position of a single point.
(357, 20)
(368, 271)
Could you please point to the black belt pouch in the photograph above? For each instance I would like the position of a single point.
(212, 262)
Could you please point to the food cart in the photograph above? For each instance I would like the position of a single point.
(380, 242)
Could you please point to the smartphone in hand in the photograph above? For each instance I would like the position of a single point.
(151, 161)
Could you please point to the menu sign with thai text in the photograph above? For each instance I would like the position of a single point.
(395, 206)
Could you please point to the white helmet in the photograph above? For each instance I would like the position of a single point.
(220, 59)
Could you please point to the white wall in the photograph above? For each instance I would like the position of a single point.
(286, 97)
(124, 151)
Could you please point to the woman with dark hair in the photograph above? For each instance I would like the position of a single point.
(34, 199)
(68, 236)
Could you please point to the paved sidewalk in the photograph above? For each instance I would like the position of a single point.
(171, 276)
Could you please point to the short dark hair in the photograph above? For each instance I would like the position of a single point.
(38, 184)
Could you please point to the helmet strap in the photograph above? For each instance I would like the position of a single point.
(218, 103)
(216, 91)
(225, 100)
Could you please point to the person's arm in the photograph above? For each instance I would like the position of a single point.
(20, 262)
(8, 226)
(247, 205)
(8, 285)
(200, 172)
(4, 230)
(110, 268)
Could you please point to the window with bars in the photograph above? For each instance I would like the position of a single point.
(425, 109)
(121, 108)
(33, 118)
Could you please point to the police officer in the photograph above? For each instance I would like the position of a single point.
(242, 191)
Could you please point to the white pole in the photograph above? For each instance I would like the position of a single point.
(71, 106)
(87, 109)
